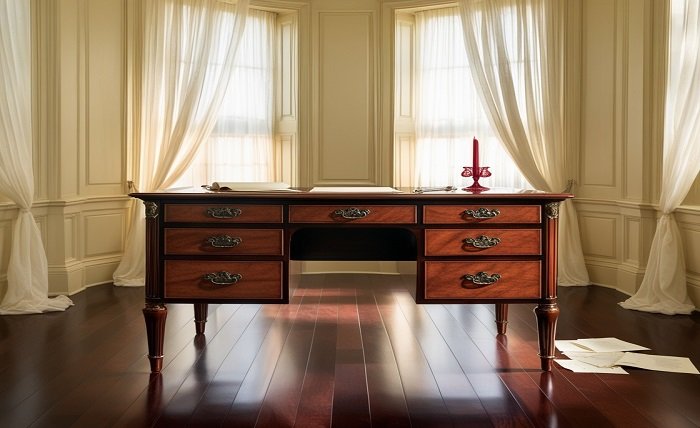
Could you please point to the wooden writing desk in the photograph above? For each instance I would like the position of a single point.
(235, 247)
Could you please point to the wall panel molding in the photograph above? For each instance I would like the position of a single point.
(345, 150)
(616, 256)
(599, 235)
(404, 159)
(600, 109)
(286, 155)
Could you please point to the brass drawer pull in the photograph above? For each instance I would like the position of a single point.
(482, 213)
(223, 278)
(224, 241)
(352, 213)
(481, 279)
(482, 241)
(224, 212)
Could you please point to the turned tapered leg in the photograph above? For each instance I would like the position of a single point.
(547, 314)
(501, 317)
(155, 315)
(201, 311)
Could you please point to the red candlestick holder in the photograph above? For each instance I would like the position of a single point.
(475, 171)
(476, 174)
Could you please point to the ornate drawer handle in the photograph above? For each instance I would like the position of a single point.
(352, 213)
(223, 278)
(224, 212)
(481, 279)
(224, 241)
(482, 241)
(482, 213)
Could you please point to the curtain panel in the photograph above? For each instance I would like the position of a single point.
(516, 51)
(449, 111)
(664, 286)
(27, 272)
(240, 147)
(189, 48)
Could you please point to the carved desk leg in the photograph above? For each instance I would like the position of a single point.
(547, 314)
(501, 317)
(547, 310)
(155, 314)
(201, 311)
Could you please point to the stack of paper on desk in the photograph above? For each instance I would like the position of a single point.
(608, 354)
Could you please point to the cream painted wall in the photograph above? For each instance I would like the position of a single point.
(344, 124)
(79, 165)
(622, 65)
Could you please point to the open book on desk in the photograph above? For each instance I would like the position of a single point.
(251, 186)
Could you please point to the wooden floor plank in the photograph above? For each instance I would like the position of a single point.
(226, 381)
(214, 346)
(459, 396)
(349, 350)
(316, 401)
(281, 401)
(502, 408)
(246, 406)
(350, 401)
(425, 404)
(388, 407)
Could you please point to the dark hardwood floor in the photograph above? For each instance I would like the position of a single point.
(348, 351)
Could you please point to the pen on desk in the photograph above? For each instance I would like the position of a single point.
(435, 189)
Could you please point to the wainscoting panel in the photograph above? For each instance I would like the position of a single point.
(346, 149)
(104, 96)
(5, 242)
(104, 232)
(599, 235)
(617, 237)
(404, 158)
(287, 151)
(599, 140)
(689, 225)
(84, 241)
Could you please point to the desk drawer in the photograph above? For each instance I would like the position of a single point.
(223, 280)
(223, 213)
(376, 214)
(195, 241)
(484, 214)
(500, 280)
(502, 242)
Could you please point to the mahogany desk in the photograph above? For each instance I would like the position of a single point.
(235, 247)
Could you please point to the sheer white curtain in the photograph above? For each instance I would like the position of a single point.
(516, 52)
(27, 272)
(240, 147)
(182, 90)
(449, 111)
(664, 287)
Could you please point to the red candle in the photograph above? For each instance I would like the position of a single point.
(475, 158)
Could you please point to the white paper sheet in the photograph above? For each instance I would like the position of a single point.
(609, 344)
(607, 354)
(570, 346)
(343, 189)
(581, 367)
(598, 359)
(662, 363)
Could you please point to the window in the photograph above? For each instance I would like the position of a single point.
(242, 144)
(446, 112)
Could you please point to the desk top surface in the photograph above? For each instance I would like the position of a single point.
(351, 193)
